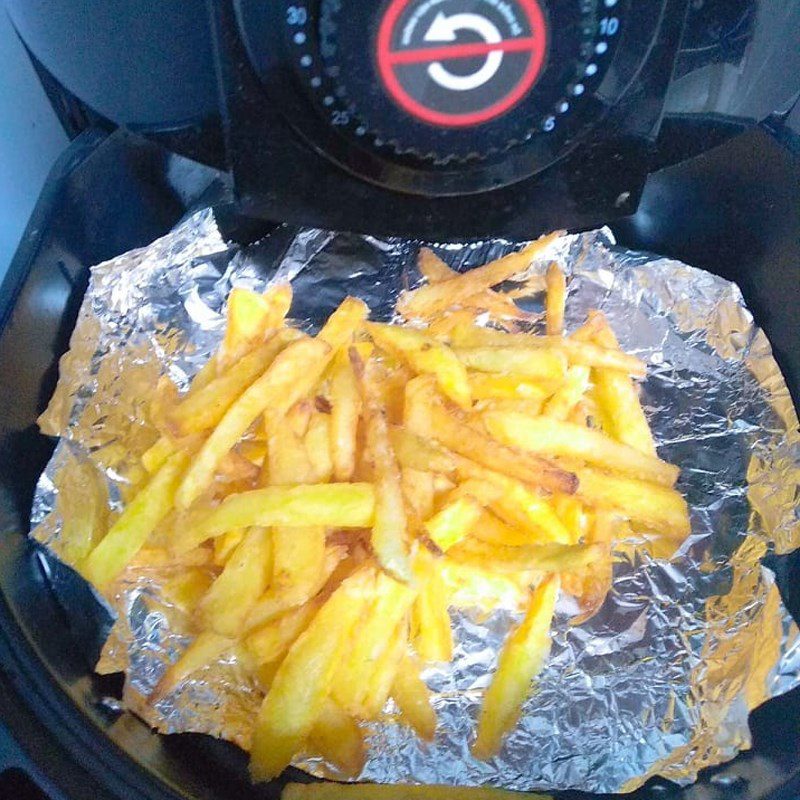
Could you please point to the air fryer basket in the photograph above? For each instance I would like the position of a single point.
(734, 211)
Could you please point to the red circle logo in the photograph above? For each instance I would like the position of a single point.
(455, 63)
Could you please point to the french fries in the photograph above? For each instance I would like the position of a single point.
(316, 506)
(521, 659)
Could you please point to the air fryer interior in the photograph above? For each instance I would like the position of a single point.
(734, 211)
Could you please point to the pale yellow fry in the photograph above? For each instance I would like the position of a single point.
(82, 504)
(453, 522)
(413, 698)
(335, 505)
(572, 514)
(205, 408)
(287, 461)
(430, 620)
(389, 605)
(383, 674)
(369, 791)
(618, 398)
(254, 450)
(569, 394)
(292, 374)
(129, 533)
(186, 587)
(271, 641)
(435, 297)
(337, 737)
(485, 386)
(659, 508)
(390, 526)
(426, 355)
(524, 509)
(530, 407)
(539, 363)
(522, 658)
(317, 442)
(249, 316)
(450, 427)
(243, 580)
(343, 323)
(556, 299)
(225, 545)
(418, 491)
(549, 437)
(158, 453)
(298, 417)
(574, 350)
(273, 604)
(303, 681)
(299, 558)
(204, 375)
(538, 557)
(345, 413)
(419, 453)
(205, 649)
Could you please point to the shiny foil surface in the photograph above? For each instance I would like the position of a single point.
(659, 682)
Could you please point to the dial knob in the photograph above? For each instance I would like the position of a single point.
(460, 79)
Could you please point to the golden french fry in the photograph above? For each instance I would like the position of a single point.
(389, 527)
(335, 505)
(418, 491)
(243, 580)
(345, 412)
(317, 442)
(271, 641)
(469, 584)
(530, 407)
(370, 791)
(590, 586)
(292, 374)
(254, 450)
(436, 297)
(540, 363)
(492, 530)
(569, 394)
(449, 427)
(299, 559)
(570, 511)
(549, 437)
(426, 355)
(343, 323)
(556, 299)
(432, 267)
(249, 317)
(537, 557)
(655, 506)
(389, 605)
(82, 504)
(574, 350)
(186, 587)
(304, 679)
(453, 522)
(206, 648)
(413, 698)
(485, 386)
(419, 453)
(235, 468)
(430, 621)
(205, 408)
(273, 604)
(384, 673)
(131, 530)
(225, 545)
(522, 658)
(158, 453)
(298, 417)
(287, 461)
(160, 558)
(618, 399)
(338, 739)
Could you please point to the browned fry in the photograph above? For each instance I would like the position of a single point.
(447, 424)
(433, 298)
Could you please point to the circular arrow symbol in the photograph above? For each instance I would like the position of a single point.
(455, 63)
(445, 29)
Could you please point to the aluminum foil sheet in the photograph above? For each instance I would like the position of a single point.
(659, 682)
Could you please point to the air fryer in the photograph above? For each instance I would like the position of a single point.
(673, 122)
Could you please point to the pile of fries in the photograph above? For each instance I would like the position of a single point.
(327, 499)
